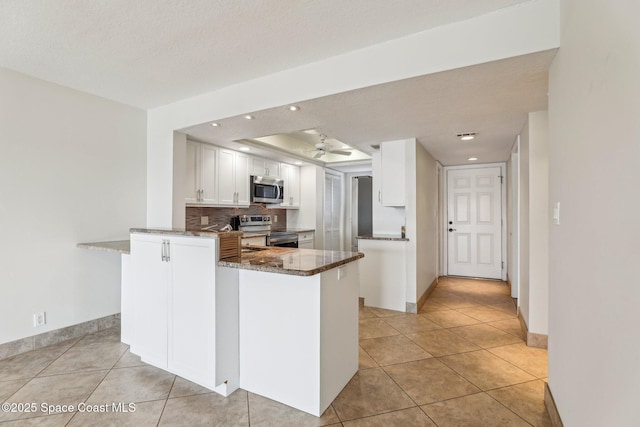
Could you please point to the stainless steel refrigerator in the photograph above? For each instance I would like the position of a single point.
(361, 208)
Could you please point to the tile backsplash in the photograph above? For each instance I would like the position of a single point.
(222, 216)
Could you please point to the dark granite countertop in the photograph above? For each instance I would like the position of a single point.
(298, 262)
(391, 237)
(183, 232)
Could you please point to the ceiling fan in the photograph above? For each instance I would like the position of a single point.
(323, 148)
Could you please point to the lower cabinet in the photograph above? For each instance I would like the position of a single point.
(306, 240)
(178, 307)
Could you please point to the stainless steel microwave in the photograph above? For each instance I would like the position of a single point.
(266, 190)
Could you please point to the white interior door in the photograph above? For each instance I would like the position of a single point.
(474, 222)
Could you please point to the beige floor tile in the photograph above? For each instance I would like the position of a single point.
(365, 361)
(7, 388)
(476, 410)
(485, 335)
(526, 400)
(129, 360)
(28, 365)
(429, 380)
(442, 342)
(510, 326)
(391, 350)
(383, 312)
(485, 314)
(138, 384)
(67, 389)
(450, 318)
(207, 410)
(375, 328)
(432, 305)
(182, 388)
(370, 392)
(486, 370)
(365, 313)
(507, 307)
(411, 323)
(59, 420)
(88, 357)
(406, 417)
(111, 335)
(144, 414)
(454, 302)
(529, 359)
(266, 412)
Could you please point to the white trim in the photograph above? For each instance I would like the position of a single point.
(515, 205)
(503, 168)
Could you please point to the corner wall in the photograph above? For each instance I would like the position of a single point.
(594, 105)
(72, 169)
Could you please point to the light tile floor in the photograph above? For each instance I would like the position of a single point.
(461, 361)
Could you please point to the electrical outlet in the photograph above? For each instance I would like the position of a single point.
(39, 319)
(275, 218)
(204, 220)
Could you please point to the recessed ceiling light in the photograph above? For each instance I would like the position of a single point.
(472, 158)
(249, 117)
(215, 124)
(294, 108)
(467, 136)
(244, 149)
(298, 163)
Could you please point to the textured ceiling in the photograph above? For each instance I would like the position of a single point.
(149, 53)
(492, 99)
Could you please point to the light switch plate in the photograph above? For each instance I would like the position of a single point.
(556, 214)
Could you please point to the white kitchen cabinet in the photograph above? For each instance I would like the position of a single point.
(306, 240)
(264, 167)
(151, 279)
(254, 241)
(202, 178)
(291, 177)
(178, 310)
(383, 273)
(233, 174)
(393, 182)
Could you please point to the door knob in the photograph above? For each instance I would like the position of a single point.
(452, 229)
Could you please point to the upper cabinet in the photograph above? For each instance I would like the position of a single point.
(393, 183)
(264, 167)
(201, 179)
(291, 177)
(233, 174)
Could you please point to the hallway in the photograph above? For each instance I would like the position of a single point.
(459, 362)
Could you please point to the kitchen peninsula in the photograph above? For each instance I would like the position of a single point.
(279, 322)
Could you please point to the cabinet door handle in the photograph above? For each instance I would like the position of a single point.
(168, 251)
(379, 196)
(162, 251)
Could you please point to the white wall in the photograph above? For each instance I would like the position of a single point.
(594, 105)
(426, 220)
(539, 223)
(518, 30)
(72, 169)
(533, 295)
(523, 286)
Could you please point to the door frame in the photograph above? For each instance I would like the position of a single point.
(503, 203)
